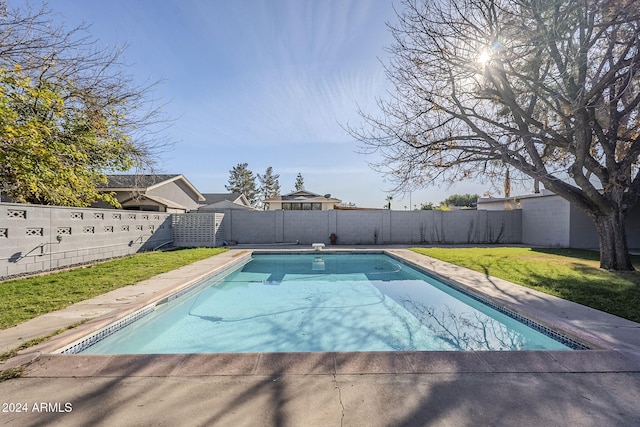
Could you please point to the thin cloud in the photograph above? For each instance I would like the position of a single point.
(297, 76)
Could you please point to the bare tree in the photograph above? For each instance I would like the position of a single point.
(545, 89)
(71, 112)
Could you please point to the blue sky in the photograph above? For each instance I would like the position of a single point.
(266, 82)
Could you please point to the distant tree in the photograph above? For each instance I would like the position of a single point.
(299, 182)
(461, 200)
(549, 89)
(68, 113)
(427, 206)
(269, 185)
(241, 180)
(389, 199)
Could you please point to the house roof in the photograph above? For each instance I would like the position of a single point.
(161, 201)
(357, 208)
(136, 181)
(143, 183)
(223, 205)
(544, 193)
(215, 201)
(211, 198)
(303, 196)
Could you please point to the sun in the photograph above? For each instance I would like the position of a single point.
(484, 57)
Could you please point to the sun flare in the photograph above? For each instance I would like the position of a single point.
(484, 57)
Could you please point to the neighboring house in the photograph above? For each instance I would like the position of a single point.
(158, 193)
(549, 220)
(302, 201)
(221, 201)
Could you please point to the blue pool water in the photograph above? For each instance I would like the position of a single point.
(323, 302)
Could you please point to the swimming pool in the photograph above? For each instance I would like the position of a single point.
(328, 302)
(323, 302)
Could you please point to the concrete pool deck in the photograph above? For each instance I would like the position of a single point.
(594, 387)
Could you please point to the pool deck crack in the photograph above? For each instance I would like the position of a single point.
(337, 386)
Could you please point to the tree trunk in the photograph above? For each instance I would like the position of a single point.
(614, 253)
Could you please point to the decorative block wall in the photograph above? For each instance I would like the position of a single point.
(197, 230)
(37, 238)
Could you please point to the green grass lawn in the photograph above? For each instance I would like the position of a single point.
(24, 299)
(566, 273)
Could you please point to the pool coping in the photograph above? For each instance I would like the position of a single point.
(615, 341)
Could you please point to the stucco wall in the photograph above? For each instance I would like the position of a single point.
(37, 238)
(178, 192)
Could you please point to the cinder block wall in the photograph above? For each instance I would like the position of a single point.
(546, 221)
(251, 226)
(583, 233)
(455, 227)
(368, 227)
(40, 238)
(359, 227)
(306, 226)
(37, 238)
(633, 227)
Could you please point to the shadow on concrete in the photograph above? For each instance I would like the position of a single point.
(141, 391)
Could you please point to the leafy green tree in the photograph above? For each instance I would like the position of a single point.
(462, 200)
(548, 90)
(53, 154)
(68, 114)
(269, 185)
(299, 185)
(242, 180)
